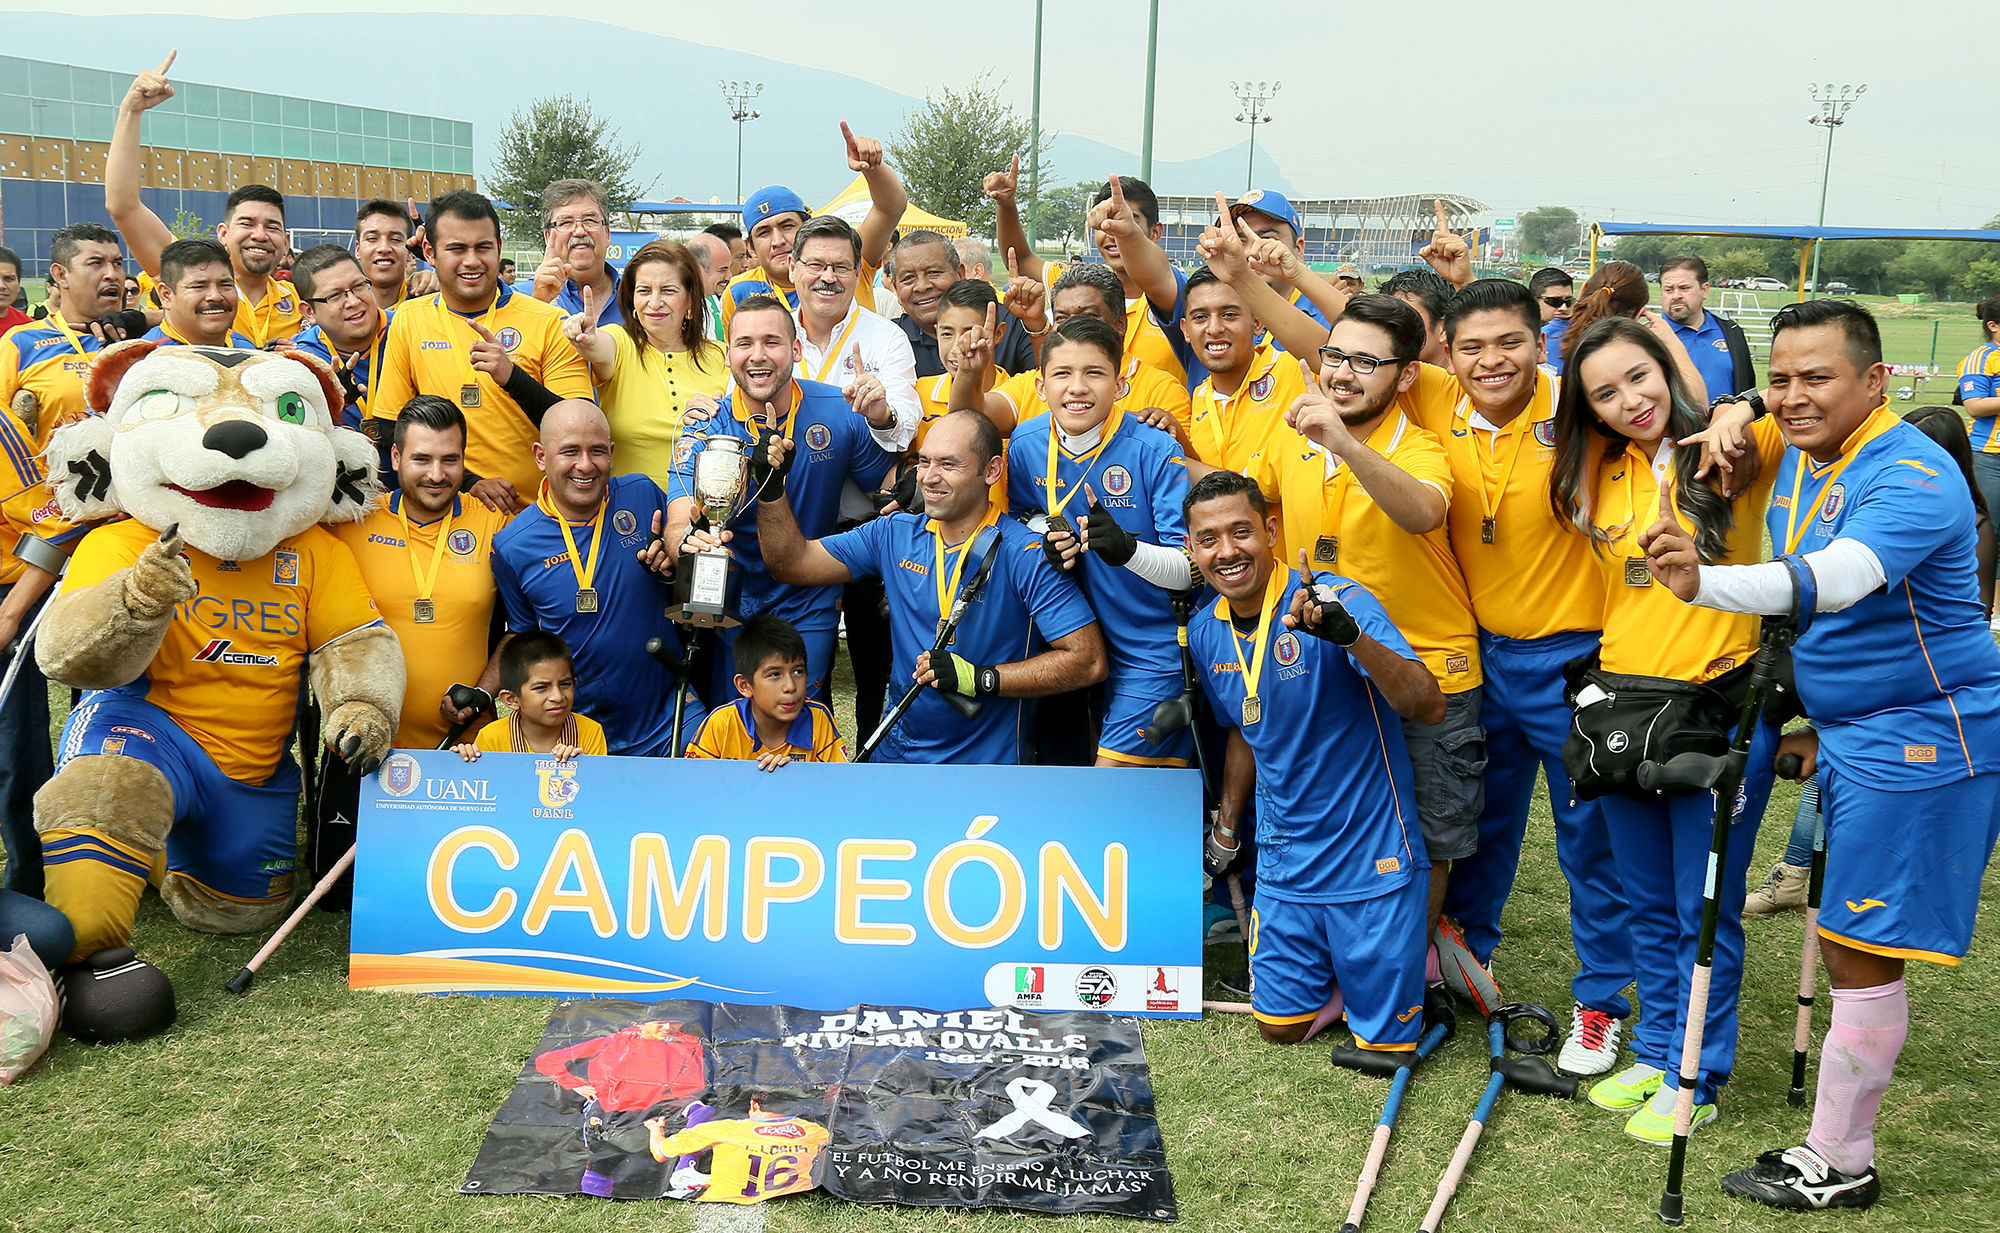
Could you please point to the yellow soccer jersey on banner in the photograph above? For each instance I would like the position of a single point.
(1648, 631)
(279, 315)
(228, 670)
(498, 736)
(447, 651)
(730, 732)
(1345, 532)
(1529, 574)
(1141, 386)
(1145, 339)
(753, 1158)
(427, 350)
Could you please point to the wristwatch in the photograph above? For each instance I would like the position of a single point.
(1757, 408)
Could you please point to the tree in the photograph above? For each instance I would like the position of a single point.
(1060, 210)
(947, 146)
(1980, 280)
(1549, 230)
(1737, 263)
(557, 137)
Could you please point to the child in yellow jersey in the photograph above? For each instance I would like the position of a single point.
(538, 684)
(773, 721)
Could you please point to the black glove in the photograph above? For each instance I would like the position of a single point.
(1217, 858)
(1108, 540)
(904, 491)
(123, 324)
(958, 675)
(349, 387)
(766, 480)
(1335, 624)
(1053, 552)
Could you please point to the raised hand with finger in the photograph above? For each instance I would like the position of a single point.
(489, 356)
(863, 153)
(1025, 297)
(1316, 610)
(1313, 415)
(1449, 253)
(1111, 219)
(581, 327)
(150, 89)
(998, 186)
(1221, 246)
(865, 392)
(1060, 544)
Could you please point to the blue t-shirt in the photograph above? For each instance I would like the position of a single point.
(1905, 685)
(1140, 478)
(1336, 808)
(570, 299)
(1024, 599)
(1708, 347)
(1552, 337)
(158, 334)
(360, 365)
(831, 444)
(617, 683)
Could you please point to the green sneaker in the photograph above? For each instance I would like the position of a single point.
(1628, 1089)
(1654, 1122)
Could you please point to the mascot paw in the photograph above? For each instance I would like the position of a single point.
(111, 997)
(360, 734)
(161, 578)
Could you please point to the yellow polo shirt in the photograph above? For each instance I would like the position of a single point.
(647, 394)
(1145, 339)
(278, 315)
(1141, 386)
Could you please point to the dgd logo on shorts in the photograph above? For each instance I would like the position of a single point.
(1095, 987)
(399, 775)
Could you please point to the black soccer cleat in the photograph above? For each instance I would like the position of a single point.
(1798, 1180)
(111, 996)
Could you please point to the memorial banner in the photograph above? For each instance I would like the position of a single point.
(1039, 888)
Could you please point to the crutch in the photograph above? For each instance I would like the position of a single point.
(1439, 1031)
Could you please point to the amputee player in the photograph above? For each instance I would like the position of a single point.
(570, 564)
(923, 561)
(843, 343)
(576, 236)
(1310, 682)
(1105, 493)
(1899, 674)
(1979, 393)
(836, 441)
(927, 264)
(1365, 489)
(43, 365)
(775, 213)
(199, 295)
(252, 227)
(500, 355)
(1627, 463)
(347, 327)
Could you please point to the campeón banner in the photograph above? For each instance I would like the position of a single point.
(1039, 888)
(984, 1107)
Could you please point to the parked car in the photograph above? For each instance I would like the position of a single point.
(1762, 283)
(1839, 289)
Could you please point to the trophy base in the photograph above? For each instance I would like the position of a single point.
(684, 614)
(707, 591)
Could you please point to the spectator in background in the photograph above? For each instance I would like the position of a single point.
(711, 253)
(975, 259)
(508, 270)
(1619, 289)
(10, 291)
(1715, 344)
(739, 252)
(382, 231)
(1555, 294)
(1426, 291)
(1348, 279)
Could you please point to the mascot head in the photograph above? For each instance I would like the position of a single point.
(238, 447)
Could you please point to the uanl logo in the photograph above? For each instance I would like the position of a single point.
(1285, 649)
(624, 522)
(462, 542)
(1095, 987)
(1545, 432)
(399, 776)
(217, 652)
(817, 437)
(1117, 481)
(1836, 496)
(509, 337)
(1261, 389)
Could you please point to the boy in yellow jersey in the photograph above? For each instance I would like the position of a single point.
(252, 227)
(1250, 386)
(500, 355)
(538, 687)
(772, 722)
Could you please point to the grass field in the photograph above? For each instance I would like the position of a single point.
(305, 1107)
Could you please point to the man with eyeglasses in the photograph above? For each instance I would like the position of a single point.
(842, 343)
(576, 233)
(346, 322)
(1716, 344)
(1555, 294)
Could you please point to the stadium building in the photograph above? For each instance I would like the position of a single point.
(1375, 233)
(326, 158)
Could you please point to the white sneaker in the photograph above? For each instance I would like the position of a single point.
(1591, 1048)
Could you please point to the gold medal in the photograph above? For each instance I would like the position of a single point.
(1487, 526)
(468, 394)
(1326, 551)
(1636, 574)
(426, 611)
(423, 608)
(586, 599)
(1059, 523)
(1253, 709)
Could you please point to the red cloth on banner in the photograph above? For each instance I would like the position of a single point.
(631, 1070)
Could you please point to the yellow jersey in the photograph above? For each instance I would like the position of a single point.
(1528, 573)
(1145, 339)
(1228, 429)
(279, 315)
(51, 360)
(753, 1158)
(427, 350)
(1140, 386)
(731, 732)
(448, 562)
(1648, 631)
(503, 736)
(28, 506)
(754, 281)
(229, 668)
(645, 397)
(1327, 512)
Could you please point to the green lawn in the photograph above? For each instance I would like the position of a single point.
(306, 1107)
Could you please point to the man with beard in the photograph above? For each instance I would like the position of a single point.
(252, 227)
(1716, 344)
(926, 265)
(43, 364)
(576, 232)
(198, 293)
(346, 324)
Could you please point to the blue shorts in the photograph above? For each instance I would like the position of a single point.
(1903, 868)
(1373, 948)
(236, 839)
(1128, 707)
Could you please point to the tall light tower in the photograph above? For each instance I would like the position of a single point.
(1833, 105)
(739, 95)
(1252, 97)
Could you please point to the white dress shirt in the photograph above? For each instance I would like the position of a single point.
(885, 354)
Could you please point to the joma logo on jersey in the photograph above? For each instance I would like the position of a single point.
(1864, 905)
(434, 344)
(914, 567)
(217, 652)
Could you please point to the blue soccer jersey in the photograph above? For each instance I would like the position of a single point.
(617, 683)
(1023, 599)
(1905, 684)
(1139, 476)
(167, 338)
(359, 364)
(1336, 811)
(1979, 377)
(831, 444)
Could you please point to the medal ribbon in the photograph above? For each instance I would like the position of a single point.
(1253, 671)
(426, 583)
(472, 374)
(832, 354)
(1793, 532)
(1489, 501)
(947, 588)
(62, 326)
(1093, 456)
(584, 572)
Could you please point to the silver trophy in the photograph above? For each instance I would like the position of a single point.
(707, 583)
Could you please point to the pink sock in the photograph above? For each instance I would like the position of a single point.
(1855, 1063)
(1433, 970)
(1328, 1015)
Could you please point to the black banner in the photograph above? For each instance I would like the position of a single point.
(966, 1108)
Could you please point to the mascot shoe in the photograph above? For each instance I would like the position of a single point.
(112, 996)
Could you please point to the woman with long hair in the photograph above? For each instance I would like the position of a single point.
(1628, 449)
(656, 365)
(1619, 289)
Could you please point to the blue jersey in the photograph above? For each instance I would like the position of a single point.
(1979, 377)
(1905, 685)
(1139, 477)
(359, 364)
(1708, 347)
(617, 683)
(570, 299)
(1336, 809)
(1024, 598)
(831, 445)
(158, 334)
(1552, 336)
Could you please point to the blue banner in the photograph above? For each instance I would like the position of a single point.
(1041, 888)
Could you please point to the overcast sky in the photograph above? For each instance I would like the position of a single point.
(1674, 112)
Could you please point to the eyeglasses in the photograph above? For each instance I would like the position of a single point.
(588, 222)
(1361, 364)
(1559, 301)
(358, 290)
(839, 269)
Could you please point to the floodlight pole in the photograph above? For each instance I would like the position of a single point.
(1152, 67)
(1252, 98)
(1035, 134)
(1833, 107)
(738, 94)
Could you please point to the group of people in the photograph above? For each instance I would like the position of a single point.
(1409, 538)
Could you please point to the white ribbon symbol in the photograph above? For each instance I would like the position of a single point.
(1031, 1104)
